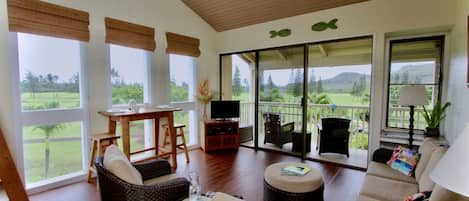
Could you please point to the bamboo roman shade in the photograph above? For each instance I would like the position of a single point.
(42, 18)
(182, 45)
(128, 34)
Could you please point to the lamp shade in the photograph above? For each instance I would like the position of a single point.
(452, 172)
(413, 95)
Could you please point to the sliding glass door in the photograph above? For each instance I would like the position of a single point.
(285, 93)
(280, 94)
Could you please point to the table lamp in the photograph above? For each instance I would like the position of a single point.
(412, 96)
(452, 172)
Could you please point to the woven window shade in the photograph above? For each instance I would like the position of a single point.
(42, 18)
(128, 34)
(182, 45)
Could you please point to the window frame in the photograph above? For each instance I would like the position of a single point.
(24, 118)
(444, 38)
(190, 106)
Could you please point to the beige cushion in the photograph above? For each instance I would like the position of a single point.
(224, 197)
(117, 163)
(426, 151)
(387, 189)
(366, 198)
(383, 170)
(295, 184)
(425, 182)
(442, 194)
(158, 180)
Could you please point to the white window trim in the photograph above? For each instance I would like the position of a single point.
(28, 118)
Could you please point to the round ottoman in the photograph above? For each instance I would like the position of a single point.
(278, 187)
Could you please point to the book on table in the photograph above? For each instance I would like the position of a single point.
(295, 170)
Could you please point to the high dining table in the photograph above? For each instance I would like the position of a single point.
(125, 117)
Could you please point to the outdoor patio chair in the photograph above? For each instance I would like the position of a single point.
(334, 136)
(275, 132)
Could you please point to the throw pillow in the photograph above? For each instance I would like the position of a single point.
(422, 196)
(404, 160)
(116, 162)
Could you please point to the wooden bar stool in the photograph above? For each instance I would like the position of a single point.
(167, 140)
(99, 143)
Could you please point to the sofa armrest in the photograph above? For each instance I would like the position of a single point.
(153, 169)
(382, 155)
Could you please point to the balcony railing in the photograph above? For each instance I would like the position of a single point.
(359, 116)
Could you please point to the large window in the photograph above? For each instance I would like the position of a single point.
(128, 73)
(53, 111)
(128, 67)
(182, 93)
(413, 62)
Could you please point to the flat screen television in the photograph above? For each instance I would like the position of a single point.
(224, 109)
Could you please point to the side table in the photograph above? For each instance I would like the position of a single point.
(297, 139)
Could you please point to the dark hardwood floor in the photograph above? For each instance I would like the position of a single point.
(234, 172)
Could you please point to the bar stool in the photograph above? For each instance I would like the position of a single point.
(99, 143)
(167, 140)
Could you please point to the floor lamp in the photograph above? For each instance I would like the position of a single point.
(412, 96)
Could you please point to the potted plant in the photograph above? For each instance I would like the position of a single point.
(434, 118)
(204, 96)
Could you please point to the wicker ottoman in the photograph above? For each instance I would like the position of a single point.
(278, 187)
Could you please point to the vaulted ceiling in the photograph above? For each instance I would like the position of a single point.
(224, 15)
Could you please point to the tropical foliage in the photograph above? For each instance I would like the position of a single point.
(434, 117)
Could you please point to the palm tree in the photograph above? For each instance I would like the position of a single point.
(48, 130)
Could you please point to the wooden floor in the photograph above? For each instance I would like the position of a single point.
(235, 172)
(358, 157)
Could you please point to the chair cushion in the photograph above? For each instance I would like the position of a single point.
(441, 194)
(117, 163)
(387, 189)
(383, 170)
(425, 151)
(425, 182)
(158, 180)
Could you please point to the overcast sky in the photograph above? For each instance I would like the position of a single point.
(42, 55)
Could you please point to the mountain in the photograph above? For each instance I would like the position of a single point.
(423, 74)
(343, 82)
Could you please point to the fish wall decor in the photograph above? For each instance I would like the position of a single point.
(280, 33)
(322, 26)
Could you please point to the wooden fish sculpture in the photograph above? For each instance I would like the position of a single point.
(280, 33)
(321, 26)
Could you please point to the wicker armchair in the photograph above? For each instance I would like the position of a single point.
(275, 132)
(334, 136)
(112, 188)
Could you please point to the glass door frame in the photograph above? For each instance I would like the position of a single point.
(304, 103)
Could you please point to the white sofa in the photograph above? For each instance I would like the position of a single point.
(383, 183)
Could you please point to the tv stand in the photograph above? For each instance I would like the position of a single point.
(219, 135)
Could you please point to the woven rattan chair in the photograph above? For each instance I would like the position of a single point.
(112, 188)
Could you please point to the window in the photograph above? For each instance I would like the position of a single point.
(413, 62)
(128, 67)
(182, 94)
(129, 81)
(52, 105)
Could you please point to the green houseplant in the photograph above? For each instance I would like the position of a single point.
(434, 118)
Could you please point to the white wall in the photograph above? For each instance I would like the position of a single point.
(377, 17)
(458, 93)
(163, 15)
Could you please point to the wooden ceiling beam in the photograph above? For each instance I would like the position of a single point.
(322, 50)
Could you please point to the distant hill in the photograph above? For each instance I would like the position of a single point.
(343, 82)
(416, 74)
